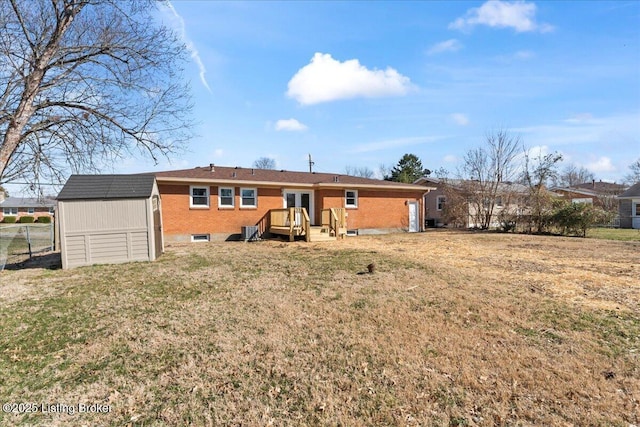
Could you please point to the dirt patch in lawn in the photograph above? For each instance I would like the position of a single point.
(451, 329)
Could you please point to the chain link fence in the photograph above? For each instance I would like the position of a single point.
(21, 242)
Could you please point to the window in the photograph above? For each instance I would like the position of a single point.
(248, 198)
(225, 197)
(199, 197)
(637, 213)
(200, 237)
(31, 210)
(52, 210)
(10, 211)
(440, 202)
(499, 201)
(351, 199)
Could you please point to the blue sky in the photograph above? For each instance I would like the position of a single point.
(361, 83)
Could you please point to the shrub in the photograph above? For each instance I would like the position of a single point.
(9, 220)
(576, 218)
(27, 220)
(44, 220)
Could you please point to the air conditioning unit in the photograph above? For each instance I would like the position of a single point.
(250, 233)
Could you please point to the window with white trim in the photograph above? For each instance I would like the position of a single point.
(226, 197)
(248, 198)
(637, 204)
(351, 198)
(199, 197)
(52, 210)
(499, 201)
(200, 237)
(10, 211)
(31, 210)
(440, 202)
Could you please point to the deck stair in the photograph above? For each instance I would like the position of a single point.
(321, 234)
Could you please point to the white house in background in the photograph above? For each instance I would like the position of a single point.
(629, 207)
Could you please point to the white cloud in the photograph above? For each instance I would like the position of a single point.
(180, 24)
(450, 158)
(601, 165)
(393, 143)
(325, 79)
(451, 45)
(580, 118)
(524, 54)
(218, 152)
(518, 15)
(460, 119)
(290, 125)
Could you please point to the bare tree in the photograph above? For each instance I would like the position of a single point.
(485, 169)
(84, 83)
(264, 163)
(363, 172)
(537, 173)
(634, 175)
(572, 175)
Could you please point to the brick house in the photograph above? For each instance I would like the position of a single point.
(214, 202)
(597, 193)
(17, 207)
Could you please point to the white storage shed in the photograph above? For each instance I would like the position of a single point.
(106, 219)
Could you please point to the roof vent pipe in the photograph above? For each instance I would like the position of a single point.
(212, 167)
(234, 175)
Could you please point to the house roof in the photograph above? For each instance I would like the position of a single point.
(247, 176)
(503, 187)
(601, 187)
(632, 192)
(107, 187)
(27, 202)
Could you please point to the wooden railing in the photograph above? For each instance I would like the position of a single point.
(294, 220)
(336, 220)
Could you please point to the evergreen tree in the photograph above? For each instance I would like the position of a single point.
(408, 169)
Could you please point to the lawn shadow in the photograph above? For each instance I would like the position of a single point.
(49, 261)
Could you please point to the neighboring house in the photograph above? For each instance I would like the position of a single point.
(629, 207)
(106, 219)
(452, 200)
(214, 202)
(18, 207)
(597, 193)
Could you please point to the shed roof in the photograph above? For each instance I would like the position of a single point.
(107, 187)
(230, 175)
(632, 192)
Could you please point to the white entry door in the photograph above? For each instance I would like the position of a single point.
(299, 199)
(414, 217)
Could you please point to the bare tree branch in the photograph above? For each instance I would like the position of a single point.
(84, 83)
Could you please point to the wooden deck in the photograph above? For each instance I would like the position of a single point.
(295, 222)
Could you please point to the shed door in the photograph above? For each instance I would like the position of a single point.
(157, 226)
(414, 217)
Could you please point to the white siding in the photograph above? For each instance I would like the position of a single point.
(102, 215)
(105, 231)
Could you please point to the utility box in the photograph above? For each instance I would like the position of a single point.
(250, 233)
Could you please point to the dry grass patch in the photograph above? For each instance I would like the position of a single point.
(452, 329)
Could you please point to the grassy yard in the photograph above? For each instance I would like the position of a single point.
(614, 234)
(457, 329)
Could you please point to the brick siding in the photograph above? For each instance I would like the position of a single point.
(376, 209)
